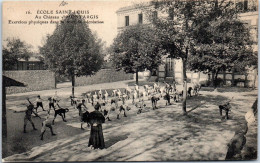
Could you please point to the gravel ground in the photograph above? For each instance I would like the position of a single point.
(154, 135)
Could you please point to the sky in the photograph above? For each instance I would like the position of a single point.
(35, 34)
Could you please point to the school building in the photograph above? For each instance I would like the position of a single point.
(31, 64)
(172, 68)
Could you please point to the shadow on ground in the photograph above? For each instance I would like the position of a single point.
(227, 89)
(164, 134)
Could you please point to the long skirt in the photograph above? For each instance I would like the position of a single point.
(96, 137)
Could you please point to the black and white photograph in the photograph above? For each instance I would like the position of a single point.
(132, 80)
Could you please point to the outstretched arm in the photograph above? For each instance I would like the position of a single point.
(58, 106)
(85, 107)
(36, 114)
(29, 101)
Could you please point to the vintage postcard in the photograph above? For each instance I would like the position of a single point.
(132, 80)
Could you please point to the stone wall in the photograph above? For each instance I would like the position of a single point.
(103, 76)
(30, 80)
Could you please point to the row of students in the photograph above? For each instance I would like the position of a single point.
(53, 103)
(107, 108)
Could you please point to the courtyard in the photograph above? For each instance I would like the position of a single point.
(164, 134)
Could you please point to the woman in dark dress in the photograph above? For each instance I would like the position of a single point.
(95, 119)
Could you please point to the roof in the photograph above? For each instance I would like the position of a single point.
(31, 59)
(132, 7)
(8, 82)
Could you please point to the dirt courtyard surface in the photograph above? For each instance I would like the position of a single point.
(164, 134)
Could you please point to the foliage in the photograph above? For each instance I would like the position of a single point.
(14, 50)
(206, 34)
(72, 49)
(173, 25)
(135, 49)
(174, 30)
(222, 41)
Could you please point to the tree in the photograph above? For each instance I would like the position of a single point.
(222, 41)
(186, 27)
(174, 31)
(14, 50)
(72, 49)
(136, 48)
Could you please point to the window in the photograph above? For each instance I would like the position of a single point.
(239, 6)
(31, 66)
(126, 20)
(140, 18)
(246, 5)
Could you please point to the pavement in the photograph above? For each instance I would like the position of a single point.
(164, 134)
(18, 142)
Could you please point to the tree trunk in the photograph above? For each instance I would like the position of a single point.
(191, 78)
(245, 83)
(73, 84)
(184, 86)
(136, 77)
(233, 78)
(224, 77)
(198, 79)
(215, 79)
(55, 80)
(212, 79)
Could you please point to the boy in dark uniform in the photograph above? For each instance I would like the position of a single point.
(225, 107)
(28, 115)
(189, 91)
(73, 101)
(107, 110)
(97, 106)
(154, 100)
(167, 97)
(120, 109)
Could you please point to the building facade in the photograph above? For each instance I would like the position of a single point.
(172, 68)
(31, 64)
